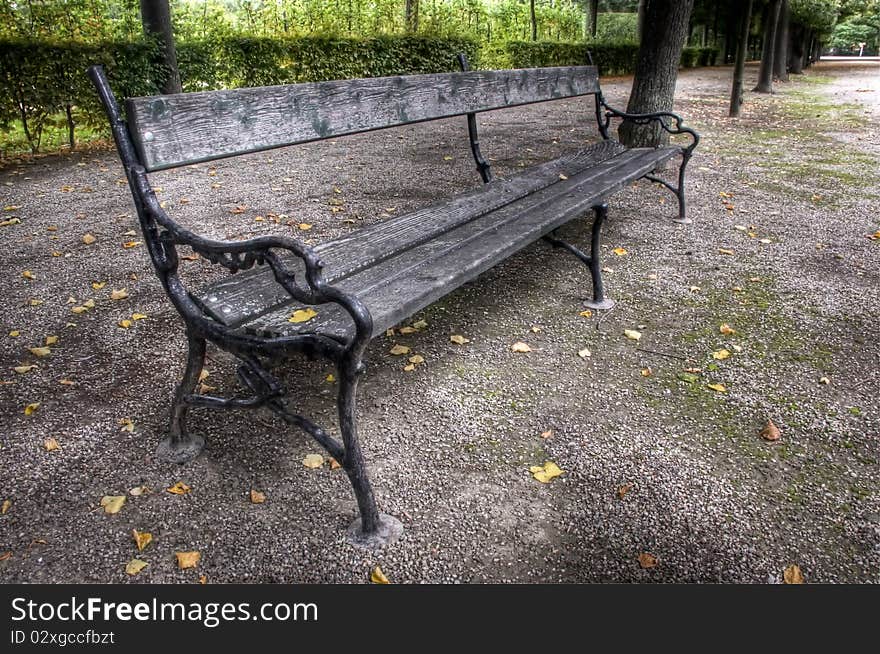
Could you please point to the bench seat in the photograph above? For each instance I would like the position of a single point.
(403, 264)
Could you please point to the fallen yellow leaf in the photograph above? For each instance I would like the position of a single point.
(30, 408)
(98, 285)
(51, 340)
(725, 251)
(135, 566)
(619, 251)
(141, 539)
(646, 372)
(623, 490)
(419, 324)
(139, 316)
(27, 274)
(203, 579)
(547, 472)
(721, 355)
(632, 334)
(130, 244)
(408, 330)
(117, 294)
(521, 347)
(79, 309)
(399, 350)
(727, 330)
(112, 503)
(718, 388)
(88, 239)
(330, 378)
(547, 434)
(40, 351)
(459, 339)
(89, 304)
(179, 489)
(313, 461)
(50, 445)
(187, 559)
(302, 315)
(304, 226)
(334, 464)
(586, 314)
(127, 425)
(416, 359)
(34, 302)
(257, 497)
(125, 324)
(67, 382)
(23, 369)
(14, 333)
(377, 576)
(4, 508)
(793, 575)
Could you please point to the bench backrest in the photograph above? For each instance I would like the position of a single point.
(174, 130)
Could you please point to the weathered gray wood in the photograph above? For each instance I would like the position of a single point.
(254, 292)
(173, 130)
(399, 286)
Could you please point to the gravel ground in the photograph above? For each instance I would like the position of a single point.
(449, 445)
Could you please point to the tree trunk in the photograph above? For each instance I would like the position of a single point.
(780, 58)
(156, 18)
(730, 34)
(765, 74)
(796, 55)
(594, 17)
(411, 16)
(736, 94)
(533, 19)
(666, 28)
(640, 25)
(71, 127)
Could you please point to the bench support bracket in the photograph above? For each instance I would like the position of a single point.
(592, 260)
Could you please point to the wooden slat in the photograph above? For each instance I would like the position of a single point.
(172, 130)
(249, 294)
(400, 286)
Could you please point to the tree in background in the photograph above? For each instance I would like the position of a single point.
(769, 22)
(666, 29)
(156, 15)
(780, 54)
(736, 94)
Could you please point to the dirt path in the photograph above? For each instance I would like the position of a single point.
(658, 464)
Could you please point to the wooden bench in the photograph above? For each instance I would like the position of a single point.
(361, 284)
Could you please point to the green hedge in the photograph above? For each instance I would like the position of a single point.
(611, 58)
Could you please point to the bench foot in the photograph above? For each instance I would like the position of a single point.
(600, 305)
(388, 530)
(177, 450)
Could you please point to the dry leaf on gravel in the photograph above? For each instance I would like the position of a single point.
(721, 355)
(632, 334)
(521, 347)
(770, 432)
(718, 388)
(4, 508)
(647, 561)
(126, 425)
(727, 330)
(623, 490)
(187, 559)
(257, 497)
(179, 489)
(459, 339)
(135, 566)
(399, 350)
(40, 351)
(31, 408)
(547, 434)
(584, 353)
(118, 294)
(313, 461)
(141, 539)
(112, 503)
(88, 239)
(378, 577)
(547, 472)
(793, 575)
(50, 445)
(24, 369)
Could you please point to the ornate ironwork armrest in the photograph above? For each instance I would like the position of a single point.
(670, 122)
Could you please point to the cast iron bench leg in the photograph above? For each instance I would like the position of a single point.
(677, 190)
(371, 529)
(180, 446)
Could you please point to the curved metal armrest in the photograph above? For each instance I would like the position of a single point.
(242, 255)
(670, 122)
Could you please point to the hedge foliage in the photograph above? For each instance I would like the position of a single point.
(41, 81)
(611, 58)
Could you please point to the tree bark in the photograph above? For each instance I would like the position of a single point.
(736, 94)
(411, 16)
(156, 18)
(664, 32)
(765, 74)
(796, 53)
(533, 19)
(640, 25)
(780, 58)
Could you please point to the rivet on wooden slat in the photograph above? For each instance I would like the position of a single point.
(148, 136)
